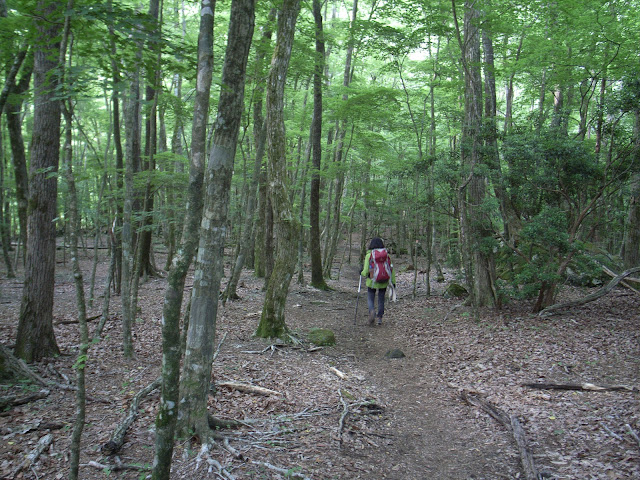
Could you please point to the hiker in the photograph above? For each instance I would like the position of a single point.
(378, 270)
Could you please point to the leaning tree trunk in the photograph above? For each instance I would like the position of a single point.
(286, 230)
(35, 338)
(171, 348)
(196, 378)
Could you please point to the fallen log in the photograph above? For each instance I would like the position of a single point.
(243, 387)
(512, 424)
(117, 439)
(580, 387)
(12, 401)
(591, 297)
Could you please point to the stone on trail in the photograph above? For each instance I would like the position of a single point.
(394, 353)
(322, 337)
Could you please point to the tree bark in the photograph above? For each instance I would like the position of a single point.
(145, 264)
(272, 321)
(317, 279)
(12, 110)
(196, 379)
(259, 135)
(35, 337)
(171, 345)
(479, 265)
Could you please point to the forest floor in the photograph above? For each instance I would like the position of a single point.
(348, 411)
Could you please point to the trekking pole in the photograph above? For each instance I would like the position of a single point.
(357, 299)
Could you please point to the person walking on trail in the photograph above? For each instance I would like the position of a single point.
(378, 271)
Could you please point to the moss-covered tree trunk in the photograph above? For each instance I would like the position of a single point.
(474, 229)
(171, 348)
(196, 378)
(286, 228)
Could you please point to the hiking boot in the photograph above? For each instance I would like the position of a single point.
(379, 321)
(372, 318)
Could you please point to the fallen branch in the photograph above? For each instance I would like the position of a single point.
(288, 473)
(612, 274)
(338, 373)
(345, 412)
(633, 434)
(512, 424)
(115, 468)
(74, 321)
(243, 387)
(43, 444)
(590, 387)
(117, 439)
(591, 297)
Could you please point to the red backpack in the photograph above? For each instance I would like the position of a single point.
(380, 265)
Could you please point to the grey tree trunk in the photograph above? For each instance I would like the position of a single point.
(286, 228)
(132, 127)
(35, 337)
(145, 265)
(171, 345)
(196, 378)
(259, 135)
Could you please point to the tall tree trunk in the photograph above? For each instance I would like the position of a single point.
(145, 264)
(272, 322)
(340, 153)
(317, 279)
(74, 230)
(479, 264)
(129, 279)
(35, 338)
(631, 243)
(5, 225)
(116, 224)
(259, 136)
(171, 351)
(13, 110)
(196, 378)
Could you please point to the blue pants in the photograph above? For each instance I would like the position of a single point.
(371, 297)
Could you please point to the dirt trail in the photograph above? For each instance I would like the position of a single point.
(430, 435)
